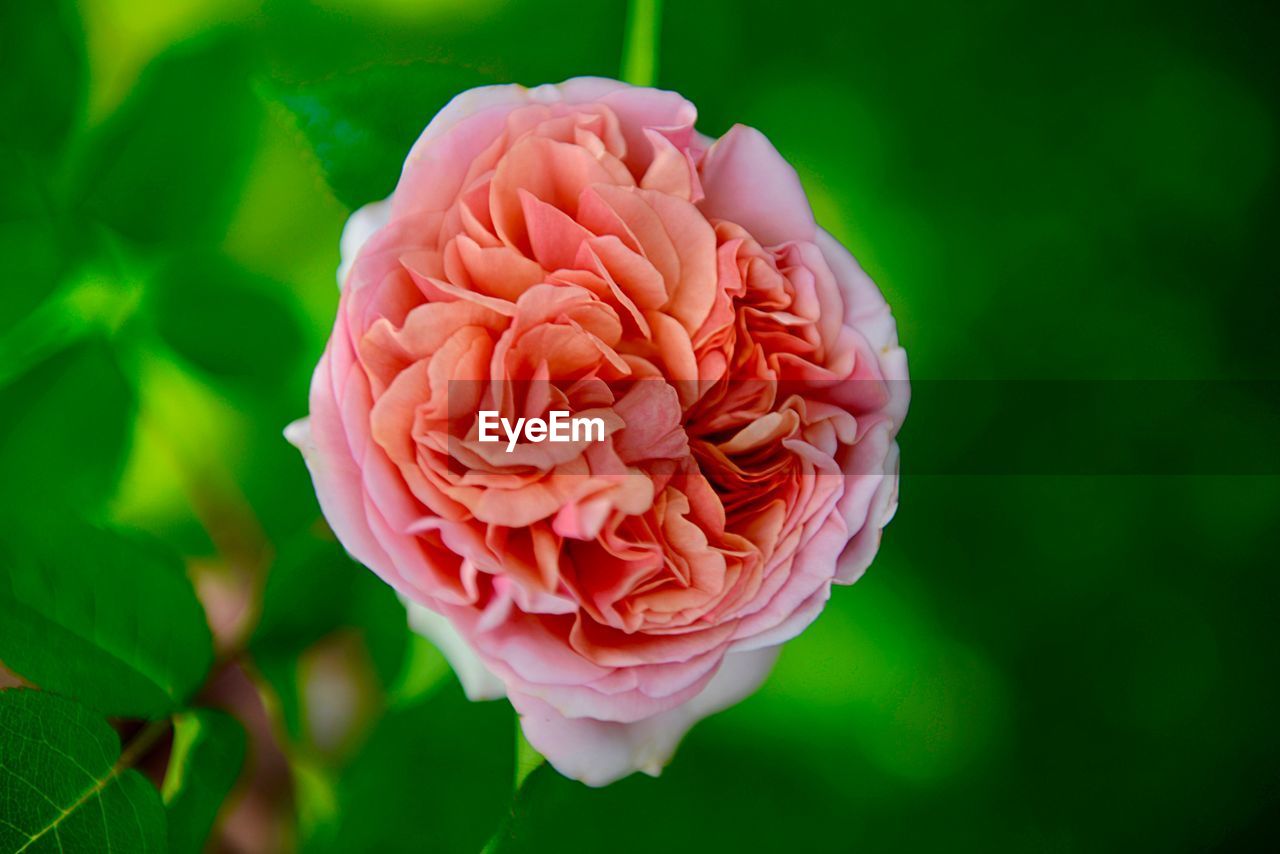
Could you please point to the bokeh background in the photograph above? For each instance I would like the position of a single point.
(1043, 661)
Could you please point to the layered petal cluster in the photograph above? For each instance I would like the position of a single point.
(581, 248)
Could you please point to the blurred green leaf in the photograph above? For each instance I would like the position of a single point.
(208, 751)
(68, 426)
(225, 320)
(424, 669)
(308, 593)
(169, 164)
(64, 788)
(42, 62)
(432, 776)
(378, 615)
(106, 618)
(280, 671)
(313, 590)
(28, 236)
(362, 125)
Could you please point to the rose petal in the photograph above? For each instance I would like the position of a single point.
(600, 752)
(748, 182)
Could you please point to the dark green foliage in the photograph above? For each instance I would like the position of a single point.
(29, 237)
(361, 125)
(63, 787)
(167, 166)
(200, 300)
(43, 65)
(67, 426)
(388, 801)
(313, 590)
(108, 619)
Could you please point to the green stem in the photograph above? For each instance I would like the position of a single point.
(527, 757)
(527, 761)
(640, 42)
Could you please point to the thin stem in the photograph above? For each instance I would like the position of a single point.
(527, 761)
(527, 757)
(142, 743)
(640, 42)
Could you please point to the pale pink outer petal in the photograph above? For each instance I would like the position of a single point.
(857, 555)
(478, 681)
(337, 480)
(600, 752)
(867, 311)
(359, 228)
(871, 502)
(748, 182)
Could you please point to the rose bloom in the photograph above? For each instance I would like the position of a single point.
(582, 248)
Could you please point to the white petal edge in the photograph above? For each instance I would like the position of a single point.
(298, 434)
(601, 752)
(361, 225)
(478, 682)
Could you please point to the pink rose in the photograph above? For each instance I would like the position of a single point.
(582, 248)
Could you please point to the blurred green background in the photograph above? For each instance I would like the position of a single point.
(1033, 663)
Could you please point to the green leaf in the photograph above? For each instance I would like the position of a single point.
(378, 615)
(67, 426)
(208, 751)
(199, 298)
(313, 590)
(309, 592)
(167, 167)
(362, 124)
(42, 62)
(108, 619)
(29, 240)
(280, 671)
(432, 776)
(65, 785)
